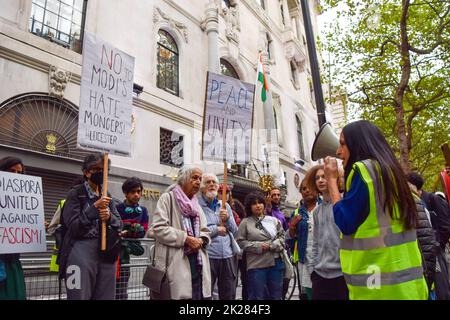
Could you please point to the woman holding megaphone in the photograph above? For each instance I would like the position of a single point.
(377, 215)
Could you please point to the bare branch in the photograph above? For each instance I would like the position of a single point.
(385, 43)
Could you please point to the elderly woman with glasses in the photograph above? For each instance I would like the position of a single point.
(181, 235)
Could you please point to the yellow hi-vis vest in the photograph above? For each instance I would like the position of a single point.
(54, 267)
(381, 260)
(295, 254)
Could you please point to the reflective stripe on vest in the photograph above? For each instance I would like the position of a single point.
(295, 254)
(381, 249)
(386, 278)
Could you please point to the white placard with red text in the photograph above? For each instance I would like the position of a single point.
(21, 214)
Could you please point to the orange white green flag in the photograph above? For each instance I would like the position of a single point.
(263, 79)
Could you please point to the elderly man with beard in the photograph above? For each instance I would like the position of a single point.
(222, 226)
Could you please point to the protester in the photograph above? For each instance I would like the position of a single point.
(327, 279)
(273, 207)
(440, 208)
(12, 282)
(301, 226)
(89, 272)
(273, 204)
(429, 247)
(439, 212)
(180, 228)
(135, 225)
(221, 224)
(377, 217)
(262, 238)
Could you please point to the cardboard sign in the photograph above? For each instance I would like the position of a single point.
(106, 98)
(228, 118)
(21, 214)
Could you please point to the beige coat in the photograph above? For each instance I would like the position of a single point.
(173, 236)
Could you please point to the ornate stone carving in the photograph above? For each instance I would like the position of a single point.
(211, 22)
(159, 15)
(232, 21)
(58, 80)
(133, 123)
(293, 53)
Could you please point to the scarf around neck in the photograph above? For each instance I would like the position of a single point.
(190, 215)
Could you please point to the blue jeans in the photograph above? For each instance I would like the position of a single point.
(266, 283)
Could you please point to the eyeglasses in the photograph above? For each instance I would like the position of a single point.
(210, 182)
(130, 210)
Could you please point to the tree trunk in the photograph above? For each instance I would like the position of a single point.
(405, 65)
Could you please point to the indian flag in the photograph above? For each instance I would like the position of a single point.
(262, 78)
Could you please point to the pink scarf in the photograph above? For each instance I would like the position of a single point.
(189, 211)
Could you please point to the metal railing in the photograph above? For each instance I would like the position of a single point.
(43, 284)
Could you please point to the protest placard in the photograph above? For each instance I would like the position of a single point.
(21, 214)
(228, 118)
(106, 98)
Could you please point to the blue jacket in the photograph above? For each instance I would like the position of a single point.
(220, 247)
(302, 234)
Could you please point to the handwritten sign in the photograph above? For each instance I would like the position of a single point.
(228, 118)
(21, 214)
(106, 99)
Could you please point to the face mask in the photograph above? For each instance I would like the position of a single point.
(97, 178)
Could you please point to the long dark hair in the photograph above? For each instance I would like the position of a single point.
(8, 162)
(364, 141)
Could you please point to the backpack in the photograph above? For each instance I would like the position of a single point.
(440, 216)
(61, 229)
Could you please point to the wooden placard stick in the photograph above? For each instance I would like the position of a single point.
(104, 194)
(224, 188)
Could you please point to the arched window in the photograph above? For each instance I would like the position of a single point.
(227, 69)
(301, 148)
(168, 72)
(40, 123)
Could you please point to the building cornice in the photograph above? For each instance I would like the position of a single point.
(185, 13)
(166, 113)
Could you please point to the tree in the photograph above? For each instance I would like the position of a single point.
(393, 59)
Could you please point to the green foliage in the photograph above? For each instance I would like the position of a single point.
(365, 41)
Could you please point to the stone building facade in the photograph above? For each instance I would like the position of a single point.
(174, 44)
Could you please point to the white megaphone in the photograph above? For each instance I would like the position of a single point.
(325, 144)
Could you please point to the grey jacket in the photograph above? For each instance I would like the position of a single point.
(220, 247)
(250, 238)
(326, 243)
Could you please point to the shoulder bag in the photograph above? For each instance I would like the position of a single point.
(155, 277)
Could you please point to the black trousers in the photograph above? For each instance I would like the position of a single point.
(223, 271)
(242, 265)
(328, 289)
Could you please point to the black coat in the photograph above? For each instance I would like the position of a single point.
(78, 219)
(440, 216)
(429, 247)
